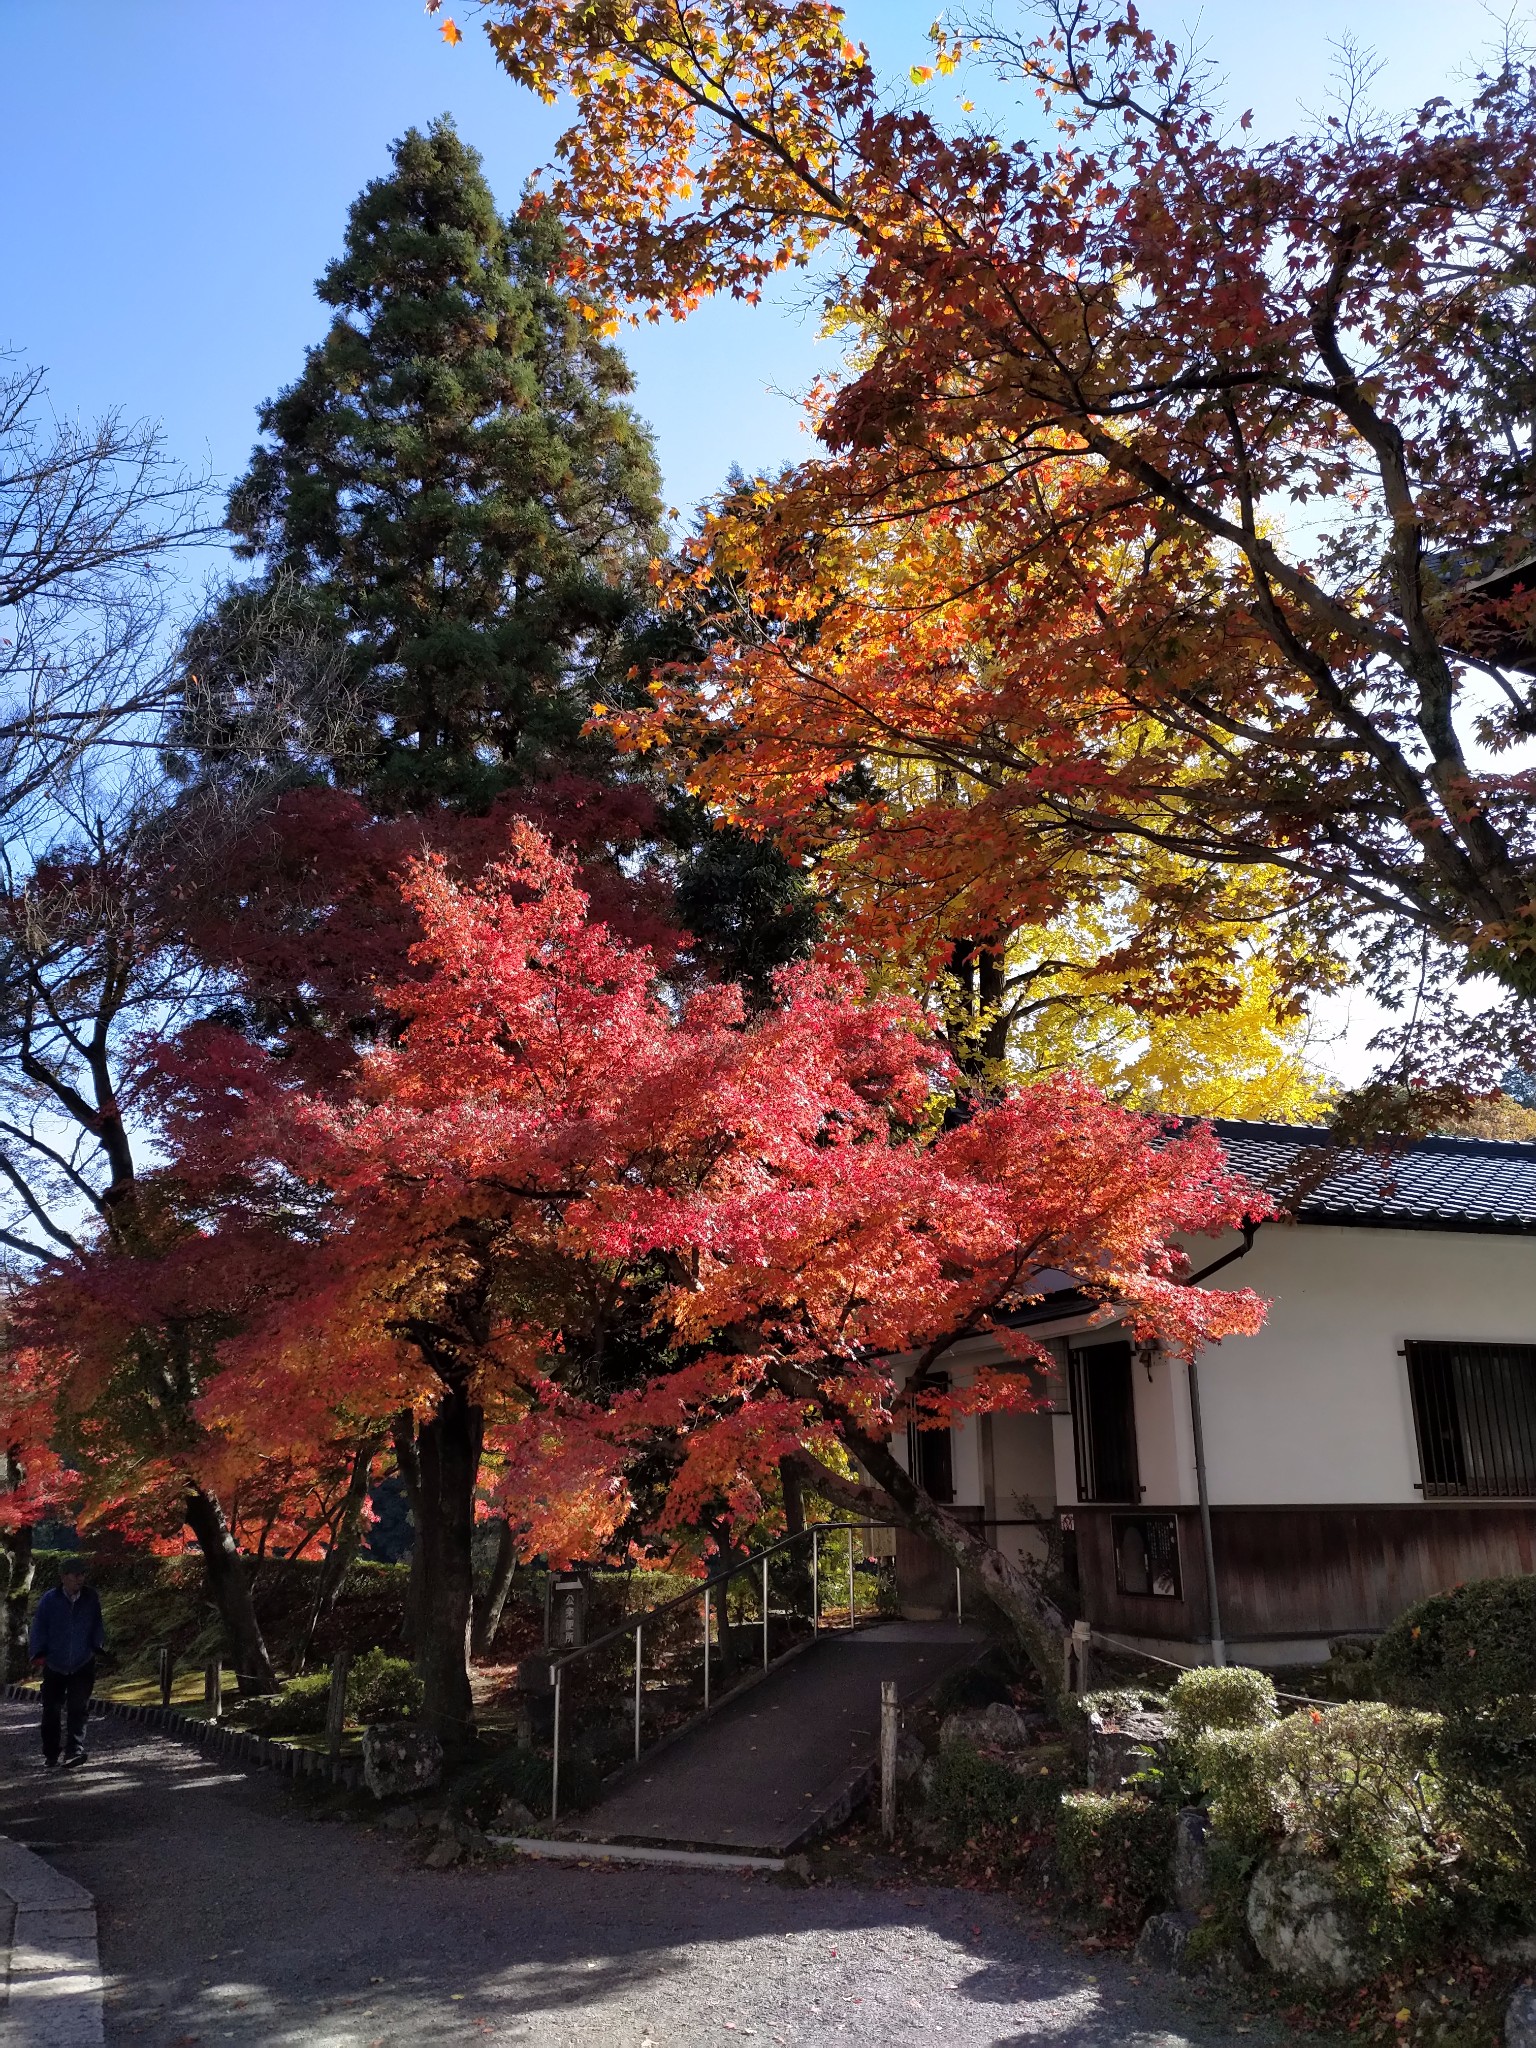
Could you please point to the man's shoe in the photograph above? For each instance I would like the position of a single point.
(50, 1763)
(71, 1762)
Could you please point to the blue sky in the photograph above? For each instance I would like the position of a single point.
(177, 174)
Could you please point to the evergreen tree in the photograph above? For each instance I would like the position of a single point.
(453, 487)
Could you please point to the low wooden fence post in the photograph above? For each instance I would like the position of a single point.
(213, 1689)
(336, 1711)
(890, 1734)
(167, 1666)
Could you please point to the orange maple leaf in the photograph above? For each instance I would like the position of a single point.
(452, 33)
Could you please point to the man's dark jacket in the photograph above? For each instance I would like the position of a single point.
(67, 1633)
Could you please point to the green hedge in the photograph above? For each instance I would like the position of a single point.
(1423, 1856)
(1462, 1652)
(1112, 1853)
(379, 1688)
(974, 1797)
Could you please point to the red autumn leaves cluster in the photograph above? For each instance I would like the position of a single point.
(550, 1135)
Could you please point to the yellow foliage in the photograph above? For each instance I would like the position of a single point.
(1245, 1055)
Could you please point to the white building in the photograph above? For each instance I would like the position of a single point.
(1376, 1442)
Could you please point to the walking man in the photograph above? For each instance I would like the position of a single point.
(66, 1634)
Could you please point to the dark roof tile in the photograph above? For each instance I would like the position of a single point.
(1436, 1184)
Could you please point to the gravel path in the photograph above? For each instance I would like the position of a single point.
(226, 1915)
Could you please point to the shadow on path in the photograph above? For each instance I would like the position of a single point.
(228, 1916)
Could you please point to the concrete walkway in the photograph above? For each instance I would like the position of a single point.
(52, 1992)
(781, 1764)
(226, 1917)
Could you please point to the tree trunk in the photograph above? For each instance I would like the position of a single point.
(488, 1612)
(15, 1577)
(231, 1590)
(17, 1568)
(1040, 1628)
(794, 1497)
(344, 1541)
(408, 1465)
(448, 1446)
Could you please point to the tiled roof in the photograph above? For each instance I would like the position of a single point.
(1435, 1184)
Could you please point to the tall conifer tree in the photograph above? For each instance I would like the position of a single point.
(455, 485)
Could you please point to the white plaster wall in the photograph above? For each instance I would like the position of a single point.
(965, 1451)
(1164, 1446)
(1316, 1409)
(1023, 1465)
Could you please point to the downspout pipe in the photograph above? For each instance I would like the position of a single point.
(1218, 1641)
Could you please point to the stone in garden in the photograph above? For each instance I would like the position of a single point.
(514, 1817)
(1163, 1940)
(910, 1758)
(399, 1758)
(1122, 1746)
(444, 1853)
(994, 1727)
(1191, 1873)
(1299, 1926)
(1520, 2018)
(399, 1818)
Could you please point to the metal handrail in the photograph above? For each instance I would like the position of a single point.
(757, 1561)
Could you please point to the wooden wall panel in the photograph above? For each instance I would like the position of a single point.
(1304, 1571)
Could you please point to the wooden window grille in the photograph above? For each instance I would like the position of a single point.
(1104, 1423)
(1474, 1412)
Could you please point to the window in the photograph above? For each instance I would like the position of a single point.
(1104, 1423)
(1474, 1409)
(930, 1452)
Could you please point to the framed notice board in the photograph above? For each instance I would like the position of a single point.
(1147, 1556)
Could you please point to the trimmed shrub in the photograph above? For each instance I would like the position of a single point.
(299, 1709)
(383, 1688)
(1462, 1652)
(1422, 1856)
(1112, 1851)
(1215, 1697)
(972, 1797)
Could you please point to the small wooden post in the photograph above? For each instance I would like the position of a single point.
(166, 1670)
(1082, 1645)
(213, 1689)
(890, 1732)
(336, 1711)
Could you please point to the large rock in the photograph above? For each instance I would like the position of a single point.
(1299, 1926)
(1122, 1746)
(1163, 1940)
(514, 1818)
(994, 1727)
(1191, 1871)
(399, 1759)
(1520, 2019)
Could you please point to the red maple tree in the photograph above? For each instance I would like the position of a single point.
(553, 1151)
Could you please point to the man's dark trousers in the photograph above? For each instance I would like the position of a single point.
(66, 1694)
